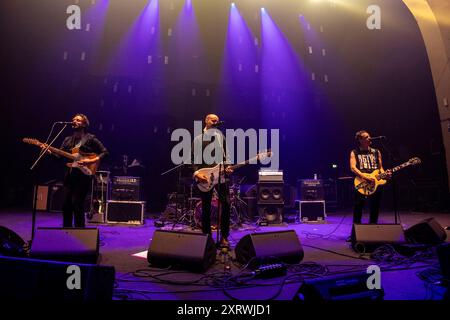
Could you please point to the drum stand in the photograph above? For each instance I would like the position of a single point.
(187, 214)
(235, 204)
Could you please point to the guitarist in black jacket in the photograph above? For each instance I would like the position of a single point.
(211, 122)
(76, 183)
(364, 160)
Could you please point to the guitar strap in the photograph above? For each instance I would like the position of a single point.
(81, 142)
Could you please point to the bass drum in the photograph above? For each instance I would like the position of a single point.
(214, 213)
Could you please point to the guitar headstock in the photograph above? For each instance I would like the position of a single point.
(264, 154)
(414, 161)
(32, 141)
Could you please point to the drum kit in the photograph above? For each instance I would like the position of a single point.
(185, 207)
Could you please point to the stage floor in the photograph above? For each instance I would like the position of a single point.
(326, 252)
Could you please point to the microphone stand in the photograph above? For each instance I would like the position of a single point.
(32, 169)
(178, 203)
(394, 182)
(219, 204)
(219, 207)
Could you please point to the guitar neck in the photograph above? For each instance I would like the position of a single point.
(393, 170)
(397, 168)
(241, 164)
(62, 153)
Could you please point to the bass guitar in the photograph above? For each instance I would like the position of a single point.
(368, 188)
(88, 169)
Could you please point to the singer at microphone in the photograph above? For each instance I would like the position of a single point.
(78, 177)
(202, 168)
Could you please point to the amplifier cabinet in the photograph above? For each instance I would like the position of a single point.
(128, 212)
(42, 198)
(125, 188)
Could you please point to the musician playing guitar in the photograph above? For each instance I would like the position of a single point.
(77, 183)
(364, 160)
(211, 122)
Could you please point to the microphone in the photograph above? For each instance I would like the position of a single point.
(64, 122)
(378, 138)
(218, 123)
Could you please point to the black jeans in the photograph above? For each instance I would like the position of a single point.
(374, 201)
(225, 210)
(76, 188)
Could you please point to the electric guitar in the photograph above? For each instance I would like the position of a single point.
(368, 188)
(212, 174)
(88, 169)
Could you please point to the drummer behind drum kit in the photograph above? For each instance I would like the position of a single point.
(185, 208)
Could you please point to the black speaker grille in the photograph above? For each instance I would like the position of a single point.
(182, 250)
(66, 244)
(269, 247)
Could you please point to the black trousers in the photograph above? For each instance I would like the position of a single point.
(76, 188)
(374, 202)
(225, 210)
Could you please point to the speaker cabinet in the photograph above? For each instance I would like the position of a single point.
(66, 244)
(11, 244)
(368, 237)
(429, 231)
(351, 286)
(443, 252)
(39, 280)
(271, 213)
(269, 247)
(182, 250)
(270, 193)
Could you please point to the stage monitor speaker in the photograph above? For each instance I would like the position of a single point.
(11, 244)
(351, 286)
(367, 237)
(66, 244)
(181, 250)
(269, 247)
(38, 280)
(429, 231)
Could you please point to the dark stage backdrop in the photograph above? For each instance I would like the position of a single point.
(139, 79)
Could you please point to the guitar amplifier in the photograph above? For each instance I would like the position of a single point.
(128, 212)
(126, 188)
(270, 176)
(42, 198)
(56, 197)
(310, 189)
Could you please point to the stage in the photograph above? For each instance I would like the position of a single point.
(326, 253)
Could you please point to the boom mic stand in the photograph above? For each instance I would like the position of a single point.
(32, 169)
(394, 182)
(179, 203)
